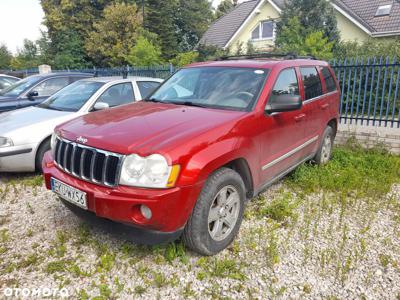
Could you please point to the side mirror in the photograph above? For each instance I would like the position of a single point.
(32, 94)
(282, 103)
(100, 106)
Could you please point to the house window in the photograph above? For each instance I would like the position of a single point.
(383, 10)
(264, 30)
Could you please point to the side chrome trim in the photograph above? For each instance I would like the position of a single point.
(16, 152)
(290, 153)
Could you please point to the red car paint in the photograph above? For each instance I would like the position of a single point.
(200, 140)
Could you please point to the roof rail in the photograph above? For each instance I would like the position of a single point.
(265, 55)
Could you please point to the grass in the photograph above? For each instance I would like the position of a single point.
(353, 171)
(337, 202)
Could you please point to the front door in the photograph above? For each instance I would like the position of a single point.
(43, 90)
(283, 135)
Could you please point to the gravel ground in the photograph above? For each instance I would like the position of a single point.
(318, 248)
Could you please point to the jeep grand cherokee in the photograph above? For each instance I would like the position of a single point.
(185, 161)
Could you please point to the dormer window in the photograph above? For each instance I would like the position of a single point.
(264, 31)
(383, 10)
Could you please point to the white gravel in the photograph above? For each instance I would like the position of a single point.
(328, 250)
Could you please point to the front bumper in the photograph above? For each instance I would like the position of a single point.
(18, 158)
(170, 208)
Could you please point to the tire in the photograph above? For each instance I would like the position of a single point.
(324, 153)
(43, 148)
(202, 233)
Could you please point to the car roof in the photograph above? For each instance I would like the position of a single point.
(9, 76)
(260, 63)
(61, 74)
(119, 78)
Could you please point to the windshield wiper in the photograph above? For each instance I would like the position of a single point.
(189, 103)
(153, 100)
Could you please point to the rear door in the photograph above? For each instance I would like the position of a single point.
(118, 94)
(146, 88)
(283, 135)
(313, 98)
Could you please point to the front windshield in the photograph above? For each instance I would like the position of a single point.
(213, 87)
(72, 97)
(19, 87)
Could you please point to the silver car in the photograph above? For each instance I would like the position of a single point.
(25, 133)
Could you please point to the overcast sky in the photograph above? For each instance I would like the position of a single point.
(20, 19)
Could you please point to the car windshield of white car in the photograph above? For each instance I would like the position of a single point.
(72, 97)
(213, 87)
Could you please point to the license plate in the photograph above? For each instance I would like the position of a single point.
(69, 193)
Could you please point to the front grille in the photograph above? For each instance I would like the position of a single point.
(90, 164)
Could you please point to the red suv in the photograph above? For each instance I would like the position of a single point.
(185, 161)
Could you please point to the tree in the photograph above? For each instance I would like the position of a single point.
(160, 19)
(179, 24)
(5, 57)
(192, 20)
(369, 48)
(115, 34)
(312, 16)
(144, 53)
(185, 58)
(223, 8)
(27, 56)
(69, 23)
(291, 40)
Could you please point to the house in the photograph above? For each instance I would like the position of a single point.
(255, 21)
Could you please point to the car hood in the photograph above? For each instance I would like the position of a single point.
(31, 122)
(145, 127)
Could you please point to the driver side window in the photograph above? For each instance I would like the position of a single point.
(51, 86)
(286, 84)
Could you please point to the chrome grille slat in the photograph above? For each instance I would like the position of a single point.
(81, 162)
(92, 165)
(105, 167)
(87, 163)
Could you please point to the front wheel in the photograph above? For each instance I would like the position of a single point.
(324, 153)
(218, 213)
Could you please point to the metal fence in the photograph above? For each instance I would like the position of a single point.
(156, 71)
(370, 90)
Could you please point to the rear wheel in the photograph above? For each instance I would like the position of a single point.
(324, 153)
(218, 213)
(43, 148)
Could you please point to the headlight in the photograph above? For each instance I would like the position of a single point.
(53, 143)
(5, 142)
(152, 172)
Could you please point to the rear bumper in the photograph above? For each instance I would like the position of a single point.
(170, 207)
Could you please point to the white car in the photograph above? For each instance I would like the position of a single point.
(25, 133)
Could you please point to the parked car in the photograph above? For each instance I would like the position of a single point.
(25, 133)
(6, 81)
(185, 165)
(35, 89)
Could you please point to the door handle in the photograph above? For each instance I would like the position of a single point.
(299, 117)
(324, 106)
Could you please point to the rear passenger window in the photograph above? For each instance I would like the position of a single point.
(118, 94)
(329, 81)
(286, 84)
(147, 87)
(312, 82)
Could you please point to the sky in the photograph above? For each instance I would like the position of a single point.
(20, 19)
